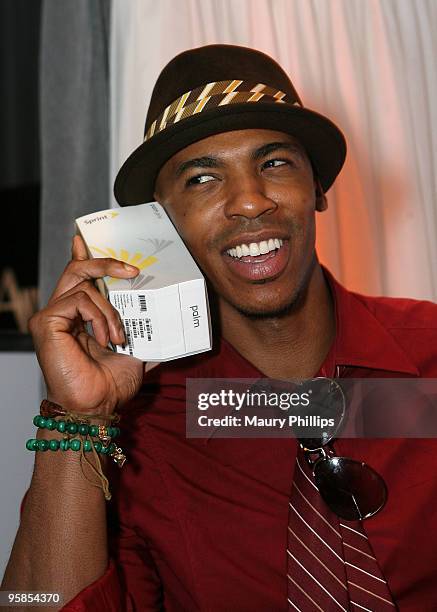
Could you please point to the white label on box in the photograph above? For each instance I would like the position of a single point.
(137, 311)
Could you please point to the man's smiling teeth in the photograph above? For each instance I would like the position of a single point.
(255, 248)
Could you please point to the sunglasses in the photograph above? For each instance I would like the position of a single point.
(352, 489)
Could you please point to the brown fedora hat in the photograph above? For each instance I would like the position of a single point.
(219, 88)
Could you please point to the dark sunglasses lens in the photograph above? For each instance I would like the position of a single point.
(353, 490)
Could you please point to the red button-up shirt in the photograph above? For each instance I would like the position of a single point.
(202, 524)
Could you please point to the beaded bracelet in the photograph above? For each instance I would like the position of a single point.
(78, 424)
(68, 428)
(75, 445)
(73, 428)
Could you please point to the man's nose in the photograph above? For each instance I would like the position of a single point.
(248, 197)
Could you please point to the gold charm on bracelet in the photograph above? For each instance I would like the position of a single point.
(118, 456)
(103, 436)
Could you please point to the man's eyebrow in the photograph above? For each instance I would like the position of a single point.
(199, 162)
(213, 162)
(275, 146)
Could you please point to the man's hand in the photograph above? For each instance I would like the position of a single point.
(81, 373)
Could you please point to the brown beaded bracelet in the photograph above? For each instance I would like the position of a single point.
(49, 409)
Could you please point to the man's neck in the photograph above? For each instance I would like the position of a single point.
(291, 346)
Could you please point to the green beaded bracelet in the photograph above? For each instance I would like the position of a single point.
(64, 445)
(73, 428)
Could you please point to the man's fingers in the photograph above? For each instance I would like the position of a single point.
(78, 248)
(115, 327)
(91, 269)
(63, 317)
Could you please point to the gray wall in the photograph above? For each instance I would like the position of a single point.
(20, 393)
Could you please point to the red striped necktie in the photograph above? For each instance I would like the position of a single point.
(331, 565)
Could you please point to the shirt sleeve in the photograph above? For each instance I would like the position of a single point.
(103, 594)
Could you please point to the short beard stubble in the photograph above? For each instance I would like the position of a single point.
(295, 302)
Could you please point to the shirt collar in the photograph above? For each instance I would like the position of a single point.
(361, 339)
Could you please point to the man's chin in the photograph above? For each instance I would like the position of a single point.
(270, 311)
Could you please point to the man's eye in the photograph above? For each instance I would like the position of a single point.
(199, 179)
(274, 163)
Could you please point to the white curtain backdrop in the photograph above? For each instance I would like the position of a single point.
(369, 65)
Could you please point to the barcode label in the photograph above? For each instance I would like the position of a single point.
(129, 339)
(137, 329)
(142, 303)
(148, 329)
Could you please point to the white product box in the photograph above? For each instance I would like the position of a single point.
(165, 308)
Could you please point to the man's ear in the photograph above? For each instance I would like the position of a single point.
(157, 195)
(321, 201)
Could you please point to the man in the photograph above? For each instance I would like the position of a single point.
(231, 524)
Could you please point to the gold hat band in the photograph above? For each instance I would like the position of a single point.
(211, 95)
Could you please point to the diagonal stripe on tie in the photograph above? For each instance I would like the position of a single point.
(331, 564)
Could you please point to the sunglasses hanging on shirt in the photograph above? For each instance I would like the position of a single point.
(352, 489)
